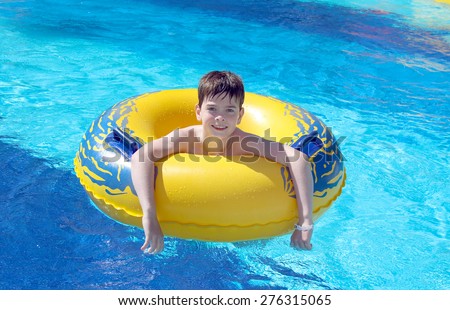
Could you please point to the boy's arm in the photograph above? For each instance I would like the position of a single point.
(300, 170)
(143, 177)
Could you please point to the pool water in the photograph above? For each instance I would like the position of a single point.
(377, 73)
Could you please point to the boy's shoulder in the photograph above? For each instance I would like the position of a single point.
(248, 136)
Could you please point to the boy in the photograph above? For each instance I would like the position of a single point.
(221, 96)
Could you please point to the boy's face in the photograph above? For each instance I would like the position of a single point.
(219, 115)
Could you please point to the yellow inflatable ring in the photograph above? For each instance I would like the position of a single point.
(212, 198)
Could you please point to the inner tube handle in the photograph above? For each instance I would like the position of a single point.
(309, 144)
(122, 143)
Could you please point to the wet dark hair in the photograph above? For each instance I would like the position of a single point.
(221, 82)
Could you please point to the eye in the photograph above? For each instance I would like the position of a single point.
(210, 108)
(231, 110)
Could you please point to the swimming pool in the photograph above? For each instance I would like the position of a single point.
(377, 73)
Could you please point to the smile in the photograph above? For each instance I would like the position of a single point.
(218, 127)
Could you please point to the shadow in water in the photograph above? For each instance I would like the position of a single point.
(53, 238)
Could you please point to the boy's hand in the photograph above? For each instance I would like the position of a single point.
(302, 239)
(153, 235)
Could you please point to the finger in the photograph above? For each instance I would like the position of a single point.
(307, 242)
(145, 245)
(295, 241)
(297, 244)
(308, 246)
(153, 248)
(301, 245)
(159, 248)
(157, 245)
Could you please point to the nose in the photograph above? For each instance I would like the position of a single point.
(219, 118)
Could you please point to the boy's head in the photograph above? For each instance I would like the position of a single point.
(221, 82)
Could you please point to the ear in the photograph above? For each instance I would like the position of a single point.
(241, 114)
(197, 112)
